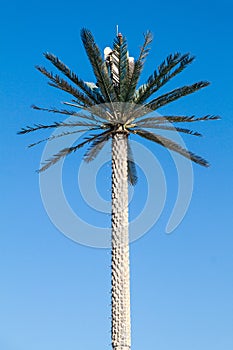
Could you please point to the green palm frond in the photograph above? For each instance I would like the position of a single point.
(171, 128)
(175, 94)
(54, 110)
(61, 154)
(138, 66)
(162, 75)
(119, 66)
(36, 127)
(176, 119)
(99, 116)
(99, 112)
(132, 172)
(62, 84)
(99, 66)
(96, 146)
(68, 150)
(167, 143)
(95, 96)
(141, 110)
(53, 137)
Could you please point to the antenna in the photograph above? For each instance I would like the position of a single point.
(117, 29)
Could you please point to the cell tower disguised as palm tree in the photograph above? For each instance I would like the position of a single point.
(113, 108)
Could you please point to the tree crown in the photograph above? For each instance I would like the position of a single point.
(115, 103)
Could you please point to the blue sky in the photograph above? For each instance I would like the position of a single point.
(55, 293)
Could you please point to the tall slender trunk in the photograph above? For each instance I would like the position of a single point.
(121, 338)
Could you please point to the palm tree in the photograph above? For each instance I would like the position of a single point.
(114, 108)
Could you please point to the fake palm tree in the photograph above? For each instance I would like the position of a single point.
(113, 108)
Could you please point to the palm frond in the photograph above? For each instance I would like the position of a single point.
(54, 110)
(59, 83)
(175, 119)
(36, 127)
(99, 66)
(119, 66)
(162, 75)
(81, 115)
(171, 128)
(95, 96)
(175, 94)
(65, 151)
(96, 146)
(61, 154)
(132, 172)
(167, 143)
(98, 112)
(138, 66)
(53, 137)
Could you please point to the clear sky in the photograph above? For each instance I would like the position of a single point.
(55, 293)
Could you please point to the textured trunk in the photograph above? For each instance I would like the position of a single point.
(121, 339)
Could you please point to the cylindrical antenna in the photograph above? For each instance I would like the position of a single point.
(117, 29)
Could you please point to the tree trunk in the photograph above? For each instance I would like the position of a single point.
(121, 339)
